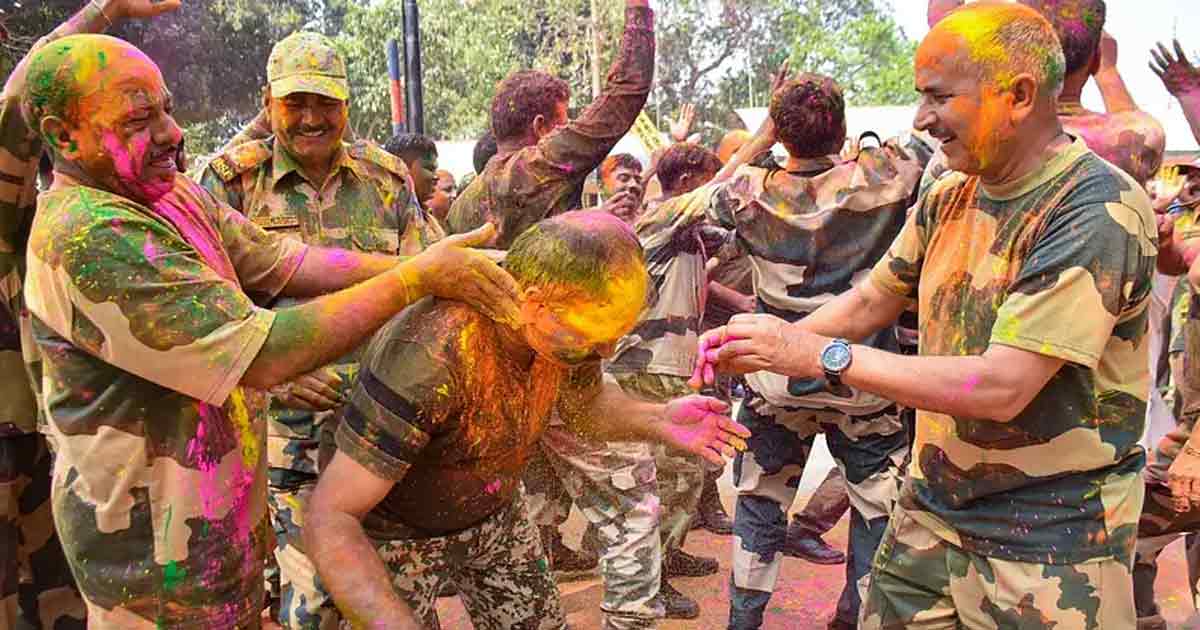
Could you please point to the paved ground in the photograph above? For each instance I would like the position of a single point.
(807, 592)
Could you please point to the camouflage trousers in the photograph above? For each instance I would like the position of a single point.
(293, 453)
(869, 450)
(922, 582)
(826, 505)
(29, 545)
(498, 566)
(639, 499)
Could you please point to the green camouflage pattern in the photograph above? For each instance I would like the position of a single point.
(665, 338)
(1133, 141)
(307, 62)
(519, 189)
(20, 149)
(29, 545)
(1058, 263)
(498, 566)
(920, 580)
(146, 327)
(366, 204)
(810, 229)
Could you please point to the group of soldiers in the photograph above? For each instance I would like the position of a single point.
(311, 378)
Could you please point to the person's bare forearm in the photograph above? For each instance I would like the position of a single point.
(1113, 90)
(316, 333)
(614, 416)
(761, 141)
(968, 387)
(1175, 257)
(731, 298)
(853, 315)
(1190, 103)
(352, 571)
(327, 270)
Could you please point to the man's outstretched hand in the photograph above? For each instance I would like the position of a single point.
(699, 425)
(1176, 72)
(452, 269)
(754, 343)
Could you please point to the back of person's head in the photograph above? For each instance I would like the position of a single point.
(485, 149)
(1079, 25)
(619, 160)
(522, 97)
(577, 252)
(686, 166)
(411, 146)
(810, 115)
(1001, 41)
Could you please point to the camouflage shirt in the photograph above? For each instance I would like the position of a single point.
(516, 190)
(810, 232)
(20, 149)
(443, 410)
(365, 205)
(1058, 263)
(145, 327)
(1133, 141)
(665, 338)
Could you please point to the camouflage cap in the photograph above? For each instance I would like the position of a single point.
(307, 62)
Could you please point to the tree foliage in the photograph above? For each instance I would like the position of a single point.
(716, 54)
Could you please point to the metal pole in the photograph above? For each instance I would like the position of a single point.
(397, 86)
(412, 67)
(595, 52)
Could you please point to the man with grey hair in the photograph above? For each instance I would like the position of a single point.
(1031, 263)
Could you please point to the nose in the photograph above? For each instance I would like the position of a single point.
(167, 133)
(309, 117)
(925, 118)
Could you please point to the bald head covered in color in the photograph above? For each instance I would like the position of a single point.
(990, 74)
(104, 110)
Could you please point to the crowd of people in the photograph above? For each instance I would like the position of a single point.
(312, 382)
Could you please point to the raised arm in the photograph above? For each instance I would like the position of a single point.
(1112, 87)
(584, 142)
(1182, 80)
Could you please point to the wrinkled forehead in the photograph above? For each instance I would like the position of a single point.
(112, 72)
(942, 58)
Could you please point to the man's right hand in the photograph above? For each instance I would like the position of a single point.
(316, 391)
(451, 269)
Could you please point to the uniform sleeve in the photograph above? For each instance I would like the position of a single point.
(1094, 263)
(20, 150)
(228, 193)
(403, 393)
(264, 261)
(583, 143)
(129, 290)
(899, 271)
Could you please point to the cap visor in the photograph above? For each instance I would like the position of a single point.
(311, 83)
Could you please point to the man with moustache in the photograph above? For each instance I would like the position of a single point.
(141, 289)
(1032, 263)
(306, 182)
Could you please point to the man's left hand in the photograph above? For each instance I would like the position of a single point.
(757, 342)
(699, 425)
(1183, 479)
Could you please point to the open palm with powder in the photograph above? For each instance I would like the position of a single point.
(700, 425)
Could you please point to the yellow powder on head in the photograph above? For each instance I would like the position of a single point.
(610, 319)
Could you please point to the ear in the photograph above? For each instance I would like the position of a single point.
(266, 97)
(61, 137)
(538, 126)
(1023, 95)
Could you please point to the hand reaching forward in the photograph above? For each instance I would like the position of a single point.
(681, 127)
(697, 424)
(757, 342)
(141, 9)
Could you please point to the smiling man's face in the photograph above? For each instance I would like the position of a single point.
(310, 126)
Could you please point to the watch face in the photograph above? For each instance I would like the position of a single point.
(836, 357)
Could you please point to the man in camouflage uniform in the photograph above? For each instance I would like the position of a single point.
(1031, 262)
(810, 227)
(652, 363)
(446, 413)
(544, 158)
(362, 200)
(138, 285)
(29, 544)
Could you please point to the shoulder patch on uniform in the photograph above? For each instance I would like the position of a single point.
(241, 158)
(375, 154)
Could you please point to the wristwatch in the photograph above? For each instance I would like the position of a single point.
(835, 360)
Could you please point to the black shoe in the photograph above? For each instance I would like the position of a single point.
(676, 604)
(681, 564)
(565, 560)
(1155, 622)
(801, 544)
(710, 514)
(447, 589)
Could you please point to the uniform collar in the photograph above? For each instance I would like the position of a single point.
(283, 163)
